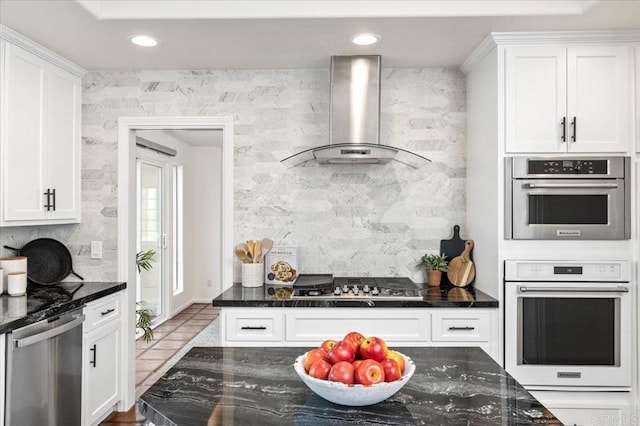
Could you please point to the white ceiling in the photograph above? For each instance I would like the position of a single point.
(291, 34)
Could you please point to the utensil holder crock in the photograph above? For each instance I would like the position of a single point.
(252, 274)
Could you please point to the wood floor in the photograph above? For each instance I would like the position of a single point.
(169, 337)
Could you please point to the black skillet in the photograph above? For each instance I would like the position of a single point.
(48, 261)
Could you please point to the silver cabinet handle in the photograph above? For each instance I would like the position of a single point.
(619, 289)
(462, 328)
(21, 343)
(572, 185)
(107, 312)
(249, 327)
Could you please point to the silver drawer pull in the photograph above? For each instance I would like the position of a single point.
(107, 312)
(619, 289)
(573, 185)
(249, 327)
(462, 328)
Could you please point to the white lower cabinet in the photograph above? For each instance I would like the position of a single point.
(589, 408)
(397, 326)
(101, 359)
(249, 326)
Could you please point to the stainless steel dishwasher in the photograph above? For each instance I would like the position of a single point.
(44, 372)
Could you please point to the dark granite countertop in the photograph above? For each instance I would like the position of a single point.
(258, 386)
(42, 302)
(444, 296)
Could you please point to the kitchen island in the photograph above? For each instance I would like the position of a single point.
(258, 386)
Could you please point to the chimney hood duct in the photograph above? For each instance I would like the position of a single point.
(355, 119)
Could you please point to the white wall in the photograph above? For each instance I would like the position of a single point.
(206, 223)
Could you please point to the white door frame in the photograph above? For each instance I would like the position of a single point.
(127, 220)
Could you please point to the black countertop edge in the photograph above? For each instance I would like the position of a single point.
(43, 302)
(433, 297)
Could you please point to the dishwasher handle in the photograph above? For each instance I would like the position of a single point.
(26, 341)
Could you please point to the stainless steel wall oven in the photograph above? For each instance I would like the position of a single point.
(586, 198)
(568, 323)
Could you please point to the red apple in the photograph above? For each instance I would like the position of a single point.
(397, 358)
(369, 372)
(356, 363)
(354, 339)
(327, 345)
(391, 370)
(312, 356)
(342, 372)
(341, 352)
(373, 348)
(320, 369)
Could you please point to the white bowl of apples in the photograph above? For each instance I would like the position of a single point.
(355, 371)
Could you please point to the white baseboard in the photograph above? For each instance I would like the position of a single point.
(202, 300)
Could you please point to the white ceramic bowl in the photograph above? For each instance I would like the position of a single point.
(354, 395)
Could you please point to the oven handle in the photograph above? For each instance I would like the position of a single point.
(619, 289)
(573, 185)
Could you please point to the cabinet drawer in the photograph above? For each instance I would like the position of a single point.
(102, 311)
(254, 326)
(462, 327)
(394, 328)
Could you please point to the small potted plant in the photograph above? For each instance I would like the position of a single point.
(435, 264)
(144, 315)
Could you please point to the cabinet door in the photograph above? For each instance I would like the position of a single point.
(598, 90)
(22, 135)
(535, 98)
(62, 143)
(101, 371)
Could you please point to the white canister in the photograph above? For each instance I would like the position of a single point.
(17, 283)
(252, 274)
(17, 306)
(10, 265)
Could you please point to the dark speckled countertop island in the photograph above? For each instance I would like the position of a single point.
(42, 302)
(258, 386)
(444, 296)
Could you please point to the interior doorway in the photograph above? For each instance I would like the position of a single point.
(219, 219)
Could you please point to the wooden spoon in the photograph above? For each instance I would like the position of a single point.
(257, 248)
(267, 245)
(241, 253)
(461, 270)
(252, 255)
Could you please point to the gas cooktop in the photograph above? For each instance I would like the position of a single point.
(327, 287)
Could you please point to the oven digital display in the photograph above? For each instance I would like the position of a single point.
(567, 270)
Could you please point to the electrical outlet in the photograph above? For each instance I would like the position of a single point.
(209, 283)
(96, 249)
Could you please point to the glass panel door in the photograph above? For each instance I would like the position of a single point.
(151, 235)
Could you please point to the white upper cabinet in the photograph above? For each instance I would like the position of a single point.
(40, 135)
(567, 99)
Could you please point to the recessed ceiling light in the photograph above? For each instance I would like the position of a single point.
(365, 39)
(143, 40)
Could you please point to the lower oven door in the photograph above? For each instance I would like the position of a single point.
(569, 209)
(568, 334)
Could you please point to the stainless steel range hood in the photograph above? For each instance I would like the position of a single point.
(355, 119)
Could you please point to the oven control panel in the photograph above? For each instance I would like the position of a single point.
(520, 270)
(568, 167)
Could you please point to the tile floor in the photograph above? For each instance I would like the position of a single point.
(168, 338)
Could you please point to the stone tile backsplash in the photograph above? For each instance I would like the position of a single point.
(372, 220)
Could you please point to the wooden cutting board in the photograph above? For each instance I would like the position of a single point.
(461, 268)
(452, 248)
